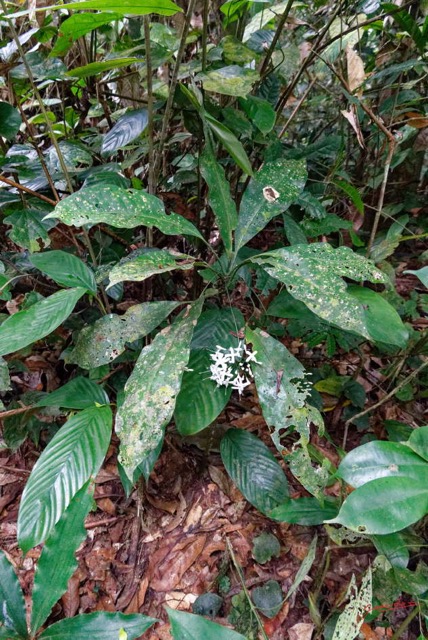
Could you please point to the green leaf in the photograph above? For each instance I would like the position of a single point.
(283, 389)
(65, 269)
(230, 142)
(385, 505)
(100, 343)
(151, 390)
(379, 459)
(12, 606)
(125, 208)
(78, 393)
(131, 7)
(382, 321)
(98, 626)
(144, 263)
(270, 192)
(126, 129)
(304, 568)
(57, 562)
(77, 26)
(94, 68)
(393, 547)
(422, 274)
(265, 547)
(187, 626)
(10, 121)
(312, 273)
(27, 326)
(4, 375)
(260, 112)
(268, 598)
(28, 227)
(353, 193)
(305, 511)
(254, 470)
(219, 197)
(230, 81)
(74, 455)
(418, 441)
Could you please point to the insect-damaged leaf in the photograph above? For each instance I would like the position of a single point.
(312, 273)
(152, 388)
(143, 263)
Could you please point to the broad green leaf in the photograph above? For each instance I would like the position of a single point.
(254, 470)
(230, 142)
(422, 274)
(12, 606)
(235, 51)
(282, 386)
(268, 598)
(126, 129)
(57, 562)
(100, 343)
(353, 193)
(28, 228)
(379, 459)
(200, 400)
(305, 511)
(74, 455)
(382, 321)
(151, 390)
(230, 81)
(385, 505)
(65, 269)
(94, 68)
(144, 263)
(418, 441)
(125, 208)
(98, 626)
(219, 197)
(131, 7)
(393, 547)
(27, 326)
(188, 626)
(273, 189)
(10, 121)
(263, 17)
(312, 273)
(78, 393)
(77, 26)
(260, 112)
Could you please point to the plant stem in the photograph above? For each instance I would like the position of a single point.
(21, 187)
(403, 626)
(150, 127)
(276, 37)
(205, 11)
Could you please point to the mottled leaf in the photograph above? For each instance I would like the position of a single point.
(57, 562)
(143, 263)
(270, 192)
(268, 598)
(4, 375)
(27, 326)
(312, 273)
(352, 618)
(29, 228)
(230, 81)
(74, 454)
(126, 129)
(65, 269)
(100, 343)
(125, 208)
(152, 388)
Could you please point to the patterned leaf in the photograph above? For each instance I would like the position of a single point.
(126, 129)
(143, 263)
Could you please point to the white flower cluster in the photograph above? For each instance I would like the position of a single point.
(232, 367)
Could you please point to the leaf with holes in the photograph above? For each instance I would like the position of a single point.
(219, 196)
(312, 273)
(200, 400)
(230, 81)
(57, 562)
(144, 263)
(65, 269)
(74, 455)
(100, 343)
(125, 208)
(254, 470)
(352, 618)
(273, 189)
(126, 129)
(12, 607)
(39, 320)
(99, 626)
(151, 390)
(78, 393)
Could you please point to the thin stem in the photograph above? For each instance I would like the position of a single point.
(391, 149)
(403, 626)
(150, 126)
(21, 187)
(205, 11)
(297, 108)
(276, 37)
(172, 87)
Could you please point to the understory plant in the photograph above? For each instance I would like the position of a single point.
(296, 222)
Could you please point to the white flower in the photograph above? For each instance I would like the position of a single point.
(231, 366)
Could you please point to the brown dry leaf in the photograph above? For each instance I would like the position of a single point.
(356, 73)
(353, 121)
(106, 505)
(168, 574)
(301, 631)
(180, 600)
(416, 120)
(71, 599)
(139, 597)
